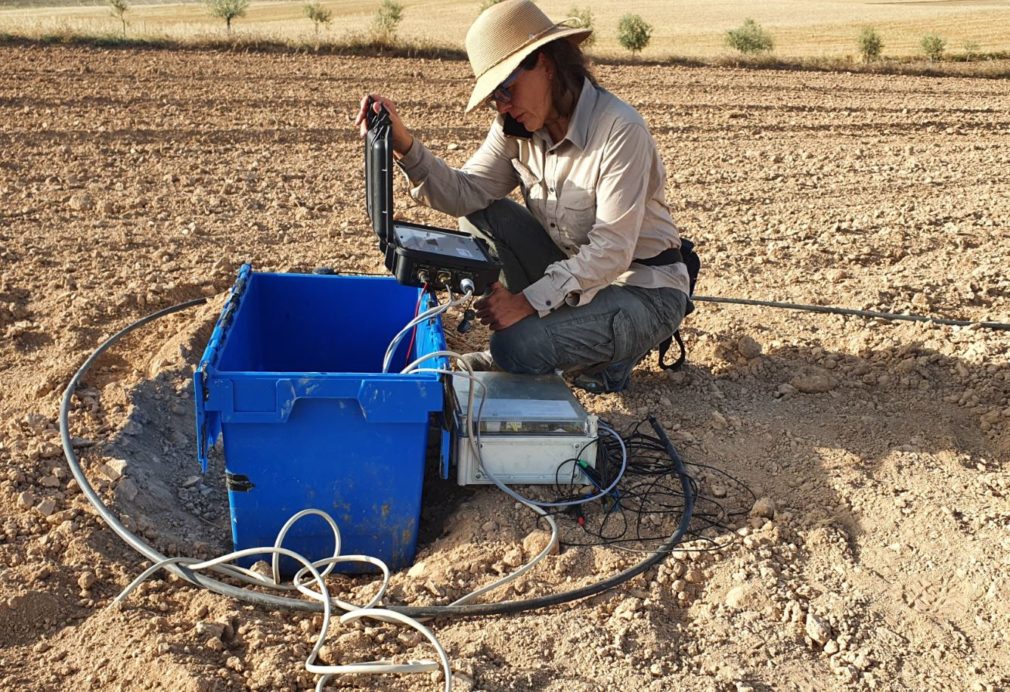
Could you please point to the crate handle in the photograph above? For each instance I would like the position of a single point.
(406, 399)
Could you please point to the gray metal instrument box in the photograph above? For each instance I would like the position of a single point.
(529, 426)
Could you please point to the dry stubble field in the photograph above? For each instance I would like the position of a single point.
(130, 181)
(693, 28)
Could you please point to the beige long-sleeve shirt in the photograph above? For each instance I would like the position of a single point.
(599, 194)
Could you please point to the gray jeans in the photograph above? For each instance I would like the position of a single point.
(602, 341)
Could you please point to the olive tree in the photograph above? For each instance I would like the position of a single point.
(870, 45)
(933, 46)
(633, 33)
(227, 9)
(318, 14)
(118, 10)
(387, 19)
(750, 37)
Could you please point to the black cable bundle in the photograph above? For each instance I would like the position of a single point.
(646, 499)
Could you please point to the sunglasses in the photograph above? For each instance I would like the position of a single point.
(502, 93)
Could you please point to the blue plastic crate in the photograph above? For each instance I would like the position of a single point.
(291, 378)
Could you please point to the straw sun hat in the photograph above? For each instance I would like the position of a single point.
(503, 35)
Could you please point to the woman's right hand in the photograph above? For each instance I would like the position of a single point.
(401, 137)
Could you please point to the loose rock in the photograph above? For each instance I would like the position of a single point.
(813, 380)
(763, 507)
(817, 629)
(748, 347)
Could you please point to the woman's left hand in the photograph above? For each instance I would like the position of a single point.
(501, 309)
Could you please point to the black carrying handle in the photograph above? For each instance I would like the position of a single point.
(373, 119)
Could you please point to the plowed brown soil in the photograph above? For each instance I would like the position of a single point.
(877, 557)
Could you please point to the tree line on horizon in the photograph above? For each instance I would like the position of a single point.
(633, 32)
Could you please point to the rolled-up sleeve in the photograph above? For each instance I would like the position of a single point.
(623, 190)
(486, 177)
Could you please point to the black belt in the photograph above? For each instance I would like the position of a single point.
(671, 256)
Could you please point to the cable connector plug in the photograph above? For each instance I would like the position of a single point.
(466, 285)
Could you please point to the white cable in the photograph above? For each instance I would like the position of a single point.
(569, 503)
(282, 534)
(555, 534)
(431, 312)
(412, 367)
(323, 596)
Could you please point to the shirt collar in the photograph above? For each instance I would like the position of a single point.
(578, 126)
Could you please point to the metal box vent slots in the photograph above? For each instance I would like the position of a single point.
(529, 426)
(291, 379)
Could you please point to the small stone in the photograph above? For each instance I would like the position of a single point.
(817, 629)
(234, 663)
(46, 507)
(416, 570)
(847, 673)
(127, 490)
(813, 380)
(36, 422)
(677, 567)
(763, 507)
(513, 557)
(452, 147)
(86, 580)
(49, 450)
(694, 576)
(718, 490)
(831, 647)
(537, 540)
(49, 482)
(627, 608)
(743, 597)
(748, 347)
(719, 421)
(26, 499)
(677, 376)
(656, 670)
(462, 681)
(191, 481)
(785, 390)
(212, 630)
(113, 469)
(81, 201)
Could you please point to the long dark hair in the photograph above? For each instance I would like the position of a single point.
(571, 69)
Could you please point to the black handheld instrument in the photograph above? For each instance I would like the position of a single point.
(417, 255)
